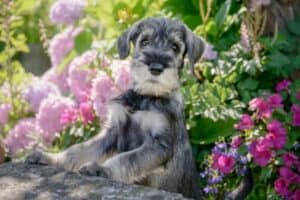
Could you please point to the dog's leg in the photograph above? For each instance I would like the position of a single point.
(135, 164)
(96, 149)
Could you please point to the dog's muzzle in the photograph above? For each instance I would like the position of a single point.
(156, 68)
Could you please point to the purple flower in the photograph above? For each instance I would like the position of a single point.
(209, 53)
(236, 141)
(275, 101)
(263, 109)
(61, 44)
(210, 190)
(86, 112)
(69, 116)
(103, 90)
(283, 85)
(37, 91)
(121, 74)
(58, 78)
(296, 115)
(66, 11)
(80, 75)
(49, 116)
(245, 123)
(21, 136)
(4, 113)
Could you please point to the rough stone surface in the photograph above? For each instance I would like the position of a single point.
(23, 181)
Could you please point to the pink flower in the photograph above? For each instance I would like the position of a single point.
(49, 115)
(209, 53)
(236, 141)
(80, 75)
(261, 152)
(21, 136)
(66, 11)
(283, 85)
(103, 90)
(121, 74)
(296, 195)
(86, 112)
(61, 44)
(276, 127)
(276, 135)
(69, 116)
(298, 95)
(275, 101)
(263, 109)
(245, 123)
(289, 159)
(285, 172)
(58, 78)
(37, 91)
(277, 140)
(281, 186)
(4, 113)
(296, 115)
(223, 163)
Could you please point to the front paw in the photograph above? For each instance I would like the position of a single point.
(38, 158)
(93, 169)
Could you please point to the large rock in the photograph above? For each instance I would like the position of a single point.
(22, 181)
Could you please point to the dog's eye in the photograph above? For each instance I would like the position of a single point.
(145, 42)
(175, 47)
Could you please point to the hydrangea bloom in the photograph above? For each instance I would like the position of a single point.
(69, 116)
(282, 85)
(209, 53)
(224, 163)
(245, 123)
(66, 11)
(80, 76)
(121, 74)
(4, 112)
(58, 78)
(86, 112)
(20, 136)
(296, 115)
(61, 44)
(49, 115)
(37, 91)
(103, 90)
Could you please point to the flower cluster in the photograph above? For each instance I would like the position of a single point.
(289, 177)
(225, 159)
(262, 139)
(66, 11)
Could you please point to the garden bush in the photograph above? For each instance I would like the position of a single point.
(242, 107)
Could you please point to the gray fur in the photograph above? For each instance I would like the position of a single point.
(144, 140)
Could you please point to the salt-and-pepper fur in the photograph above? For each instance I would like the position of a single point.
(144, 140)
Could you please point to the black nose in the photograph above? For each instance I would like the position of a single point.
(156, 68)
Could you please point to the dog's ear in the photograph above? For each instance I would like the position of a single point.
(194, 47)
(124, 40)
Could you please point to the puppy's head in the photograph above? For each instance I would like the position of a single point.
(160, 46)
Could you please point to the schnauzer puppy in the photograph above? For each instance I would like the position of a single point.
(144, 140)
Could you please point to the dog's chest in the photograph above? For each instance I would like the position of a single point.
(149, 120)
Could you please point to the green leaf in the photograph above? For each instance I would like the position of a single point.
(222, 13)
(294, 27)
(208, 131)
(83, 41)
(248, 84)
